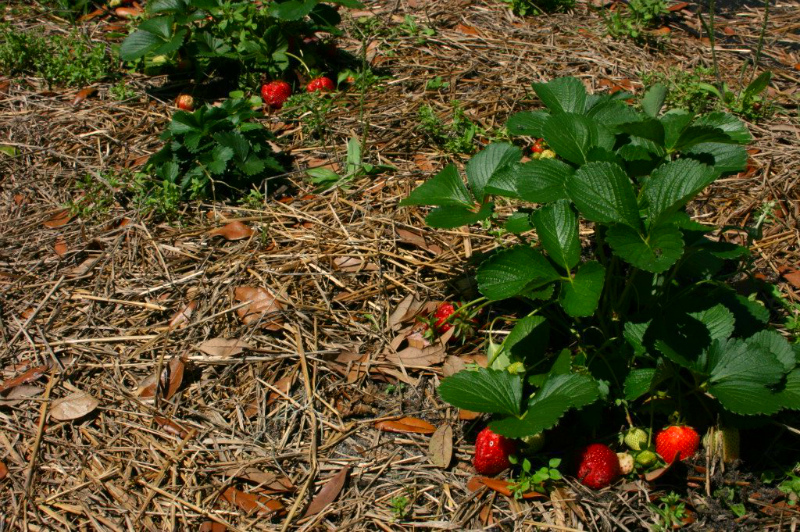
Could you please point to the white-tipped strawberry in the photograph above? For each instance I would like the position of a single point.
(185, 102)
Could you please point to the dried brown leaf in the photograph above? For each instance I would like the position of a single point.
(128, 12)
(467, 415)
(20, 393)
(83, 94)
(224, 347)
(269, 482)
(405, 311)
(424, 163)
(416, 239)
(233, 231)
(354, 265)
(211, 526)
(678, 7)
(452, 365)
(60, 247)
(284, 384)
(406, 425)
(58, 219)
(440, 448)
(170, 427)
(793, 278)
(74, 406)
(29, 376)
(171, 379)
(467, 30)
(418, 358)
(501, 486)
(3, 470)
(328, 493)
(252, 502)
(181, 318)
(262, 304)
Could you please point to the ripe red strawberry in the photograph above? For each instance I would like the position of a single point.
(598, 467)
(677, 441)
(492, 451)
(320, 84)
(444, 311)
(275, 93)
(537, 146)
(185, 102)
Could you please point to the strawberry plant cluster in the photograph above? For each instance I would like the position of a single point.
(654, 313)
(234, 39)
(214, 150)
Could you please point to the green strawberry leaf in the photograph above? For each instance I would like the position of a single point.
(661, 249)
(673, 184)
(543, 180)
(528, 339)
(527, 123)
(513, 271)
(487, 162)
(604, 193)
(562, 95)
(719, 321)
(558, 394)
(642, 381)
(557, 227)
(484, 390)
(445, 188)
(581, 295)
(518, 223)
(725, 158)
(776, 344)
(674, 122)
(731, 126)
(741, 376)
(789, 396)
(452, 216)
(653, 99)
(570, 135)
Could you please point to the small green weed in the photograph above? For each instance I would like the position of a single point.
(420, 32)
(355, 167)
(456, 137)
(670, 512)
(536, 7)
(791, 485)
(437, 83)
(400, 507)
(636, 19)
(69, 9)
(311, 109)
(95, 197)
(71, 60)
(540, 480)
(121, 91)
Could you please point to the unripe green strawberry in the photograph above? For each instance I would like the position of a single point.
(646, 458)
(636, 439)
(535, 443)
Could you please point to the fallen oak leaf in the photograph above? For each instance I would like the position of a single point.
(171, 379)
(74, 406)
(233, 231)
(224, 347)
(29, 376)
(440, 448)
(181, 318)
(328, 493)
(406, 425)
(261, 304)
(252, 502)
(58, 219)
(83, 94)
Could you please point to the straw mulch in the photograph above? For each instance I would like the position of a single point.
(271, 420)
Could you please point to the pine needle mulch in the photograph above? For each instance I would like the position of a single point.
(288, 396)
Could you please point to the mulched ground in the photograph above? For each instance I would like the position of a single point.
(259, 415)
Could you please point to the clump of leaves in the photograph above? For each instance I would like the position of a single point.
(645, 310)
(214, 150)
(671, 512)
(237, 39)
(695, 90)
(536, 7)
(456, 137)
(71, 60)
(636, 18)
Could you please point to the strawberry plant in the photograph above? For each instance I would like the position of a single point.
(654, 307)
(235, 39)
(213, 150)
